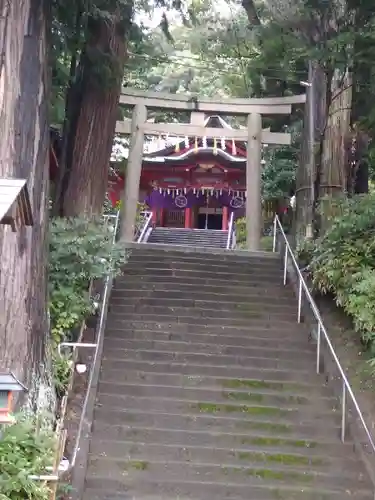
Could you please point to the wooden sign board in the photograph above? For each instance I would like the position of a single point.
(15, 206)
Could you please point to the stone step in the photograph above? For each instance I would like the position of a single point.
(252, 443)
(140, 452)
(222, 371)
(232, 306)
(102, 489)
(177, 235)
(185, 234)
(177, 254)
(303, 388)
(276, 341)
(187, 242)
(131, 474)
(117, 356)
(232, 275)
(131, 281)
(203, 314)
(323, 469)
(273, 331)
(210, 256)
(197, 321)
(220, 396)
(253, 297)
(262, 350)
(221, 422)
(196, 242)
(98, 489)
(270, 266)
(194, 234)
(291, 412)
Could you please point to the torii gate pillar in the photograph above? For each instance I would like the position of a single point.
(254, 182)
(133, 174)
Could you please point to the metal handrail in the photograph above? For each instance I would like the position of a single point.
(302, 287)
(147, 219)
(230, 231)
(100, 330)
(100, 333)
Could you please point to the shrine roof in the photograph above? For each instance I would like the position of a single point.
(163, 148)
(196, 155)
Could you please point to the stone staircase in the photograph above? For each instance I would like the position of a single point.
(208, 389)
(203, 238)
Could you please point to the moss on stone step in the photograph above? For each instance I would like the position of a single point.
(258, 398)
(251, 410)
(136, 464)
(244, 396)
(273, 441)
(280, 458)
(257, 384)
(271, 427)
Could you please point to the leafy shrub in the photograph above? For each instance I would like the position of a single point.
(343, 262)
(24, 452)
(241, 232)
(62, 371)
(80, 251)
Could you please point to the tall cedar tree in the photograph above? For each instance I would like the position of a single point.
(24, 145)
(92, 111)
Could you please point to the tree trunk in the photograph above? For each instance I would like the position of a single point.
(92, 131)
(24, 153)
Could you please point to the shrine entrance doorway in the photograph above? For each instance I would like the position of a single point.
(210, 218)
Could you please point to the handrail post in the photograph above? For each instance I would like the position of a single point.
(318, 348)
(343, 410)
(274, 234)
(146, 223)
(230, 231)
(285, 263)
(299, 301)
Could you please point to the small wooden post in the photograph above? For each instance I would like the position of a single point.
(224, 226)
(154, 218)
(188, 218)
(253, 181)
(133, 174)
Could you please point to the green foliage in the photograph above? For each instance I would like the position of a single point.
(278, 174)
(80, 251)
(241, 232)
(62, 372)
(24, 452)
(68, 307)
(343, 262)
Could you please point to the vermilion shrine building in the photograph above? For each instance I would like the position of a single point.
(192, 182)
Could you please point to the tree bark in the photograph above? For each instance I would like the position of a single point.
(92, 130)
(24, 153)
(251, 12)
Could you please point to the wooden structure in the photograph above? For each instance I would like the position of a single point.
(253, 135)
(8, 386)
(15, 206)
(191, 182)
